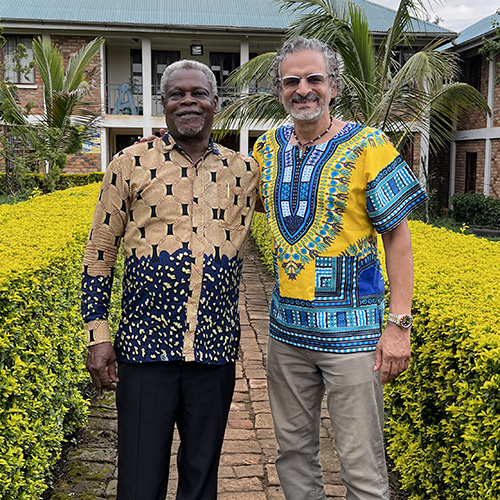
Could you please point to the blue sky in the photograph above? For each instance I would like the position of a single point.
(455, 14)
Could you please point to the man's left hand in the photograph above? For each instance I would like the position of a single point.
(393, 352)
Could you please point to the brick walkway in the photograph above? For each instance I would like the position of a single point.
(247, 470)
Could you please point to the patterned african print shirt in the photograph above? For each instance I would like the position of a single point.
(324, 210)
(184, 228)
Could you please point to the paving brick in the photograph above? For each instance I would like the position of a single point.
(249, 471)
(93, 455)
(240, 423)
(239, 434)
(248, 495)
(241, 484)
(258, 383)
(263, 421)
(241, 446)
(241, 459)
(272, 475)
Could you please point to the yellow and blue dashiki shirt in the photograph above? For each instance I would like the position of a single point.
(184, 228)
(324, 211)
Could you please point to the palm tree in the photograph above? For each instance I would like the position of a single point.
(67, 114)
(378, 91)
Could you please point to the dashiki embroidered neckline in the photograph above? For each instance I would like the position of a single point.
(302, 146)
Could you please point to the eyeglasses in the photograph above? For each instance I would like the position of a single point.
(314, 79)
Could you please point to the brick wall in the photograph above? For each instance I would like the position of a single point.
(477, 118)
(83, 163)
(69, 45)
(495, 168)
(28, 94)
(464, 147)
(496, 101)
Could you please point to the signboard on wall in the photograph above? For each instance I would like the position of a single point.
(92, 145)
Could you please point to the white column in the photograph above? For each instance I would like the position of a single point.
(103, 130)
(489, 124)
(104, 149)
(424, 147)
(453, 165)
(147, 129)
(244, 57)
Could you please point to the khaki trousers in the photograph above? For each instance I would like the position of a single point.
(297, 380)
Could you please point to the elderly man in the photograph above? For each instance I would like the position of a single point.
(328, 187)
(182, 206)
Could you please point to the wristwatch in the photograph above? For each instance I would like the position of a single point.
(404, 321)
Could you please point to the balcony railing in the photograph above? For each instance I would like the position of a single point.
(126, 99)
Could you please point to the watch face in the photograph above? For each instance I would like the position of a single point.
(406, 321)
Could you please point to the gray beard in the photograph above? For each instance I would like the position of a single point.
(307, 114)
(187, 131)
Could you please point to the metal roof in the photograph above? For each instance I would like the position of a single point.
(482, 28)
(380, 19)
(211, 13)
(256, 14)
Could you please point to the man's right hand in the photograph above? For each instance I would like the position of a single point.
(151, 137)
(101, 363)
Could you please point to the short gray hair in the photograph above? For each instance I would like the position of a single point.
(188, 64)
(300, 44)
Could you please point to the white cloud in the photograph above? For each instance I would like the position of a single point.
(455, 14)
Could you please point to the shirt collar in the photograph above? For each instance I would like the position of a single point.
(169, 141)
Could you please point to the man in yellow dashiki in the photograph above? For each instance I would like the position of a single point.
(328, 187)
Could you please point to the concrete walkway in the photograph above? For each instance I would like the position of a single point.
(247, 470)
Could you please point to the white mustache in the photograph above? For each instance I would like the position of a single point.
(308, 98)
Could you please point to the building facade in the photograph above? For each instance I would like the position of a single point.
(475, 152)
(140, 43)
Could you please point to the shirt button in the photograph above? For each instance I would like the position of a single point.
(164, 357)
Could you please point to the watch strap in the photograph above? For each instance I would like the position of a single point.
(404, 321)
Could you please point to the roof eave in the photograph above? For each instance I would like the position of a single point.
(473, 43)
(138, 28)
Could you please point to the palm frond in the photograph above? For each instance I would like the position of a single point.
(399, 32)
(247, 109)
(454, 100)
(10, 111)
(49, 62)
(429, 68)
(255, 70)
(318, 18)
(77, 64)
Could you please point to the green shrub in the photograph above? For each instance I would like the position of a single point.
(476, 210)
(262, 235)
(443, 413)
(65, 181)
(42, 346)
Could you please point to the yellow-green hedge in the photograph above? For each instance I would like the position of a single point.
(42, 350)
(262, 235)
(443, 414)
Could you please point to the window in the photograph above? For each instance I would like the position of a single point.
(160, 59)
(14, 73)
(471, 71)
(470, 172)
(136, 69)
(222, 63)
